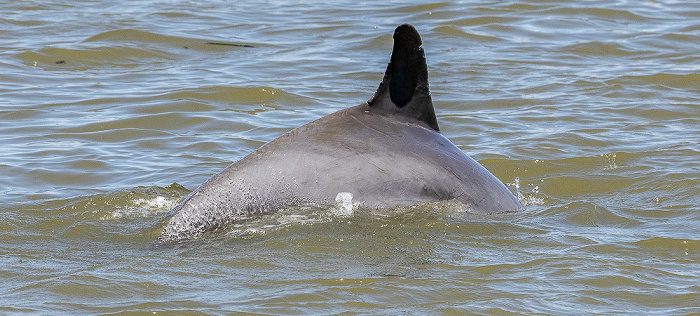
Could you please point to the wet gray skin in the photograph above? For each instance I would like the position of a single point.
(387, 152)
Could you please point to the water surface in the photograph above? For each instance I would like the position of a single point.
(112, 113)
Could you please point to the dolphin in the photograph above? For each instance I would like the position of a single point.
(387, 152)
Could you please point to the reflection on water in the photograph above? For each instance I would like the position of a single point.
(111, 115)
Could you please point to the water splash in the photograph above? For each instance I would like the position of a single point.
(296, 215)
(344, 205)
(142, 207)
(534, 197)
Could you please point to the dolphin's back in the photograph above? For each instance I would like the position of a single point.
(382, 161)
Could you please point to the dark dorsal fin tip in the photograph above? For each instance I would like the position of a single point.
(404, 89)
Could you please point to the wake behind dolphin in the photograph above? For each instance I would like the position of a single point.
(387, 152)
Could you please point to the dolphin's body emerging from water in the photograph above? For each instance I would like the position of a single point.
(386, 152)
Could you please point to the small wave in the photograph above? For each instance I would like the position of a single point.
(130, 36)
(129, 214)
(587, 214)
(143, 207)
(451, 30)
(287, 217)
(307, 214)
(133, 203)
(246, 95)
(670, 80)
(346, 212)
(122, 48)
(82, 58)
(601, 49)
(674, 246)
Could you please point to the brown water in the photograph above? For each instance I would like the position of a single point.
(112, 112)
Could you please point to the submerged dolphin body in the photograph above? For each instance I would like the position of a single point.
(387, 152)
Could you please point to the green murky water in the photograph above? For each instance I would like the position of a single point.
(112, 112)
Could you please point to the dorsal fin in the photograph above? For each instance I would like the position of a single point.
(404, 90)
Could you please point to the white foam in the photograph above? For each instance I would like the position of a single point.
(344, 205)
(142, 207)
(157, 203)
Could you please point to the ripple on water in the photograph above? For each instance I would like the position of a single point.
(588, 110)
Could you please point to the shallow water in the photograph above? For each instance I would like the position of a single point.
(111, 114)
